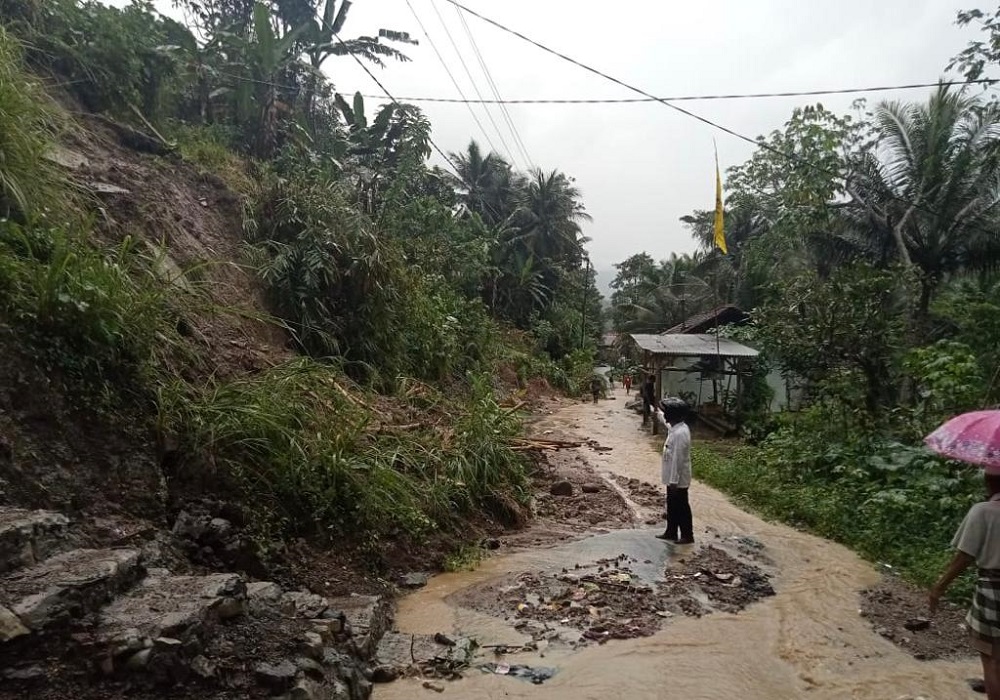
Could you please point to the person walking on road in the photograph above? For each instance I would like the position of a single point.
(596, 385)
(675, 470)
(627, 382)
(978, 542)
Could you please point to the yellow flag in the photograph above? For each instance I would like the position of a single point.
(720, 229)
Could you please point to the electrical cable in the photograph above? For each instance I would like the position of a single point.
(518, 141)
(475, 86)
(700, 98)
(755, 142)
(454, 82)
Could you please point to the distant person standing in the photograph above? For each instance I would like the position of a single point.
(648, 398)
(627, 382)
(595, 387)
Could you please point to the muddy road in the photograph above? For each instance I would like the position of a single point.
(545, 594)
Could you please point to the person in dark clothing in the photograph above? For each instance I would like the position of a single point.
(596, 385)
(648, 392)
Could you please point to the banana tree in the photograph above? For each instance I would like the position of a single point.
(376, 152)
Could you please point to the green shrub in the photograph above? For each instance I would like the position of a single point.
(891, 503)
(100, 316)
(29, 183)
(109, 58)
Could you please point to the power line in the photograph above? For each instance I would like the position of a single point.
(447, 70)
(696, 98)
(518, 141)
(759, 144)
(472, 80)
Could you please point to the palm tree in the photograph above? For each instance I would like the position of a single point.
(932, 188)
(487, 184)
(550, 217)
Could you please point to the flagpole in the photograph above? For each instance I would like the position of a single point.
(718, 205)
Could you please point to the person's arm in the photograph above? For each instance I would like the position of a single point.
(959, 563)
(659, 418)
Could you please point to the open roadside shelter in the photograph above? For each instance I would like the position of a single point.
(704, 369)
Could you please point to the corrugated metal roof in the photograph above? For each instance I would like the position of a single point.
(691, 344)
(699, 323)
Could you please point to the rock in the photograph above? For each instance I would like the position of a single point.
(491, 543)
(310, 667)
(68, 585)
(173, 610)
(329, 630)
(278, 677)
(263, 592)
(977, 685)
(220, 529)
(138, 660)
(590, 488)
(384, 673)
(561, 488)
(192, 527)
(28, 536)
(202, 667)
(367, 618)
(26, 673)
(312, 645)
(436, 687)
(10, 626)
(302, 604)
(414, 580)
(917, 624)
(311, 690)
(444, 639)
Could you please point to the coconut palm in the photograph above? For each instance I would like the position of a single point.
(931, 189)
(486, 184)
(550, 217)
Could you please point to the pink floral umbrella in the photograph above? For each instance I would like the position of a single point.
(971, 437)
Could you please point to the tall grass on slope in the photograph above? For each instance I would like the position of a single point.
(308, 453)
(30, 185)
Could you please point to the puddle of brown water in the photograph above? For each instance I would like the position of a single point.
(808, 641)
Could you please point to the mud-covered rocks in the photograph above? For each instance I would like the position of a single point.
(10, 626)
(366, 618)
(68, 585)
(561, 488)
(170, 615)
(399, 654)
(29, 536)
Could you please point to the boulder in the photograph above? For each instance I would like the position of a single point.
(171, 613)
(278, 677)
(10, 626)
(68, 585)
(414, 580)
(302, 604)
(29, 536)
(367, 617)
(561, 488)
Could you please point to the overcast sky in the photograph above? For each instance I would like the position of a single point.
(642, 166)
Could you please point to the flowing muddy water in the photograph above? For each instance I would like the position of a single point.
(807, 641)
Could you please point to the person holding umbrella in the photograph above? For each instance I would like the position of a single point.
(975, 438)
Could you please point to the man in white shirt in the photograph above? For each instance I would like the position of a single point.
(978, 542)
(675, 470)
